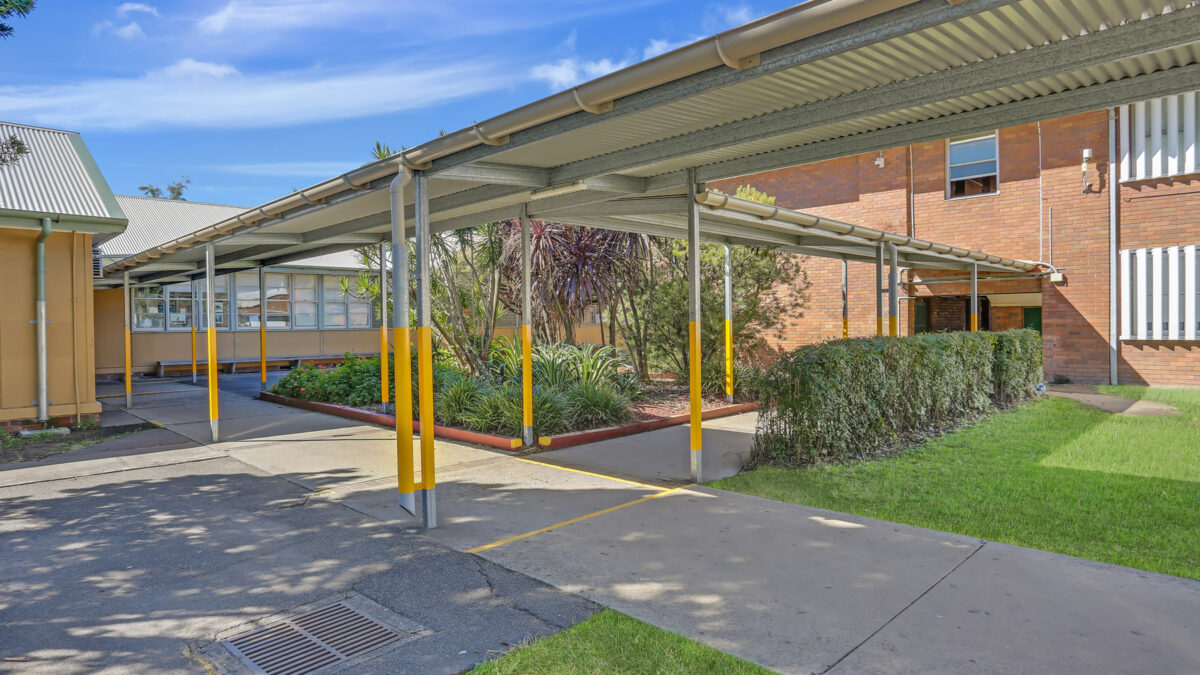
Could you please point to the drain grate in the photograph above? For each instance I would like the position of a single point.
(312, 641)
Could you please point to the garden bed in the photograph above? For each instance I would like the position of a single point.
(712, 409)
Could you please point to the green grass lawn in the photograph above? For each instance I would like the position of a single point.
(610, 642)
(1052, 474)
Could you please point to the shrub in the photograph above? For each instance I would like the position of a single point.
(355, 382)
(746, 380)
(592, 405)
(456, 401)
(498, 410)
(845, 398)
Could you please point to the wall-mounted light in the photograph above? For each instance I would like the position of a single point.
(1087, 157)
(879, 161)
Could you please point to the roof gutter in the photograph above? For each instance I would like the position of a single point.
(738, 48)
(717, 200)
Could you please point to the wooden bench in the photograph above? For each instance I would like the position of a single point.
(230, 365)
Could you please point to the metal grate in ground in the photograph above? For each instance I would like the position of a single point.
(320, 639)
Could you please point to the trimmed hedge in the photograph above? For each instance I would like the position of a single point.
(846, 398)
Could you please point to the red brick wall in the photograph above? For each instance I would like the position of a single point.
(1159, 212)
(1039, 199)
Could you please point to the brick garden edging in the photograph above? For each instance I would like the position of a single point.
(503, 442)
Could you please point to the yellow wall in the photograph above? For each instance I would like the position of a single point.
(151, 347)
(70, 362)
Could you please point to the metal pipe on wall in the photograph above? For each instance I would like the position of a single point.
(845, 302)
(974, 297)
(43, 372)
(693, 267)
(879, 290)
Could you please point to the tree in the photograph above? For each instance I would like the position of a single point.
(11, 150)
(13, 8)
(173, 191)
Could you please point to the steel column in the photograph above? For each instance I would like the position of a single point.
(693, 266)
(974, 297)
(262, 328)
(526, 332)
(728, 324)
(128, 345)
(845, 304)
(879, 290)
(195, 320)
(401, 340)
(893, 291)
(210, 309)
(384, 398)
(425, 351)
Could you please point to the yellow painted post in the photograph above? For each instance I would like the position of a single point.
(214, 415)
(425, 350)
(728, 324)
(526, 334)
(401, 344)
(383, 336)
(194, 319)
(425, 392)
(879, 290)
(262, 328)
(128, 349)
(974, 297)
(693, 266)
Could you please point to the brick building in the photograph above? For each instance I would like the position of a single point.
(1031, 195)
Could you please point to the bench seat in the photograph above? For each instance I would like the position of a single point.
(230, 365)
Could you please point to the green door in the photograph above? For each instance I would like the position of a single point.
(1031, 317)
(921, 315)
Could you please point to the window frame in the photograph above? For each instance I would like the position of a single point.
(948, 166)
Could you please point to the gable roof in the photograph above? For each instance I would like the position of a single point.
(59, 179)
(155, 221)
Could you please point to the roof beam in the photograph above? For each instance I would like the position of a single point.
(911, 18)
(496, 174)
(1121, 42)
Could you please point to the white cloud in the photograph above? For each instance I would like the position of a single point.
(657, 47)
(296, 169)
(196, 94)
(723, 17)
(568, 72)
(129, 31)
(127, 7)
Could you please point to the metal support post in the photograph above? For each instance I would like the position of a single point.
(879, 290)
(405, 478)
(384, 398)
(728, 324)
(845, 303)
(893, 291)
(262, 328)
(195, 319)
(693, 266)
(210, 309)
(526, 333)
(128, 347)
(425, 352)
(974, 297)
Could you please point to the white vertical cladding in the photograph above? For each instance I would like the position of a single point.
(1156, 293)
(1139, 140)
(1126, 295)
(1172, 298)
(1189, 131)
(1157, 156)
(1189, 292)
(1125, 150)
(1140, 294)
(1173, 133)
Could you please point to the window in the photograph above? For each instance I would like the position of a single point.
(342, 309)
(179, 305)
(279, 305)
(1159, 137)
(148, 312)
(220, 300)
(971, 166)
(304, 300)
(247, 299)
(1160, 293)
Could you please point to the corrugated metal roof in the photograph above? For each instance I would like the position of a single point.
(155, 221)
(56, 177)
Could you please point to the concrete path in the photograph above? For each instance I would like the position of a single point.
(1089, 395)
(794, 588)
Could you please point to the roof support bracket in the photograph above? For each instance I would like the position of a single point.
(737, 64)
(482, 138)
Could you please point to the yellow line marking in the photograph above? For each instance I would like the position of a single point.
(145, 393)
(509, 540)
(589, 473)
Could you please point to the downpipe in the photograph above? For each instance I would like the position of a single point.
(43, 393)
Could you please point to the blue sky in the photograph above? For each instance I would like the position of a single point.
(252, 99)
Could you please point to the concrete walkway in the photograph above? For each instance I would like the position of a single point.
(793, 588)
(1089, 395)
